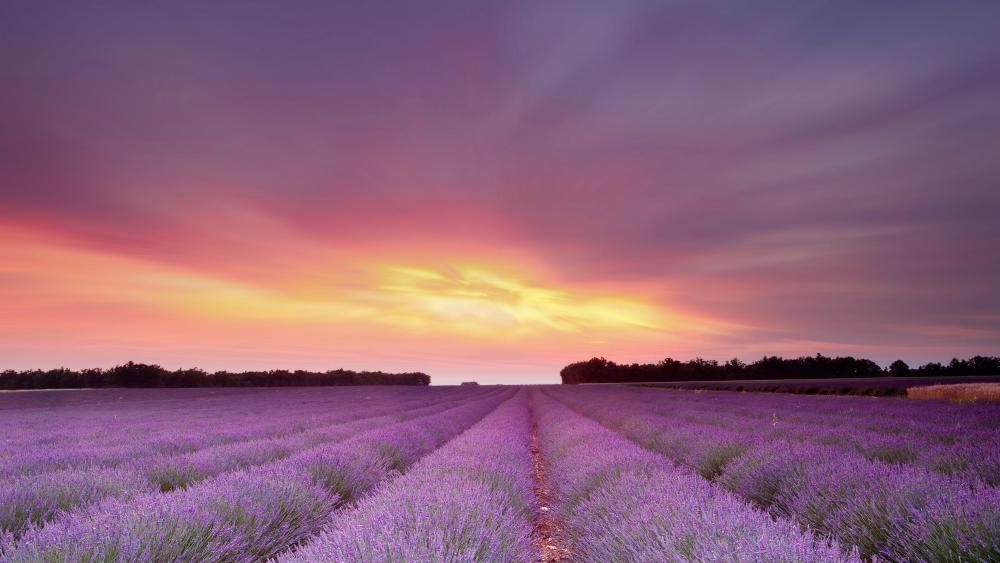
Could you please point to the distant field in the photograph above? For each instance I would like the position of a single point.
(959, 393)
(873, 386)
(589, 473)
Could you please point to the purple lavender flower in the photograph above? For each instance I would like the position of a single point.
(470, 500)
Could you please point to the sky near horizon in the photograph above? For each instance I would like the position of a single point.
(491, 190)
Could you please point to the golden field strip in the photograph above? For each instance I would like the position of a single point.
(958, 392)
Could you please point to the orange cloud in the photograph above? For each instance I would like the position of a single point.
(418, 309)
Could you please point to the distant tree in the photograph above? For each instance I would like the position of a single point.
(470, 383)
(601, 370)
(959, 367)
(899, 368)
(985, 365)
(134, 374)
(138, 375)
(932, 368)
(733, 369)
(594, 369)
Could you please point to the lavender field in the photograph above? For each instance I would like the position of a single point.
(602, 473)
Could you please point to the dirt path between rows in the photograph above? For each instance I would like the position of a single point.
(549, 536)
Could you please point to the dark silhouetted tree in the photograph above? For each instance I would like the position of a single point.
(134, 374)
(601, 370)
(899, 368)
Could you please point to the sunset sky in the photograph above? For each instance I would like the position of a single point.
(490, 191)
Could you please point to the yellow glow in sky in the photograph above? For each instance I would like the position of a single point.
(479, 301)
(361, 310)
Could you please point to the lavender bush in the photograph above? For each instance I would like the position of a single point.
(953, 440)
(34, 499)
(244, 515)
(38, 442)
(442, 474)
(623, 503)
(896, 512)
(470, 500)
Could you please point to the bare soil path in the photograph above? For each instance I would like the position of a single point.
(549, 536)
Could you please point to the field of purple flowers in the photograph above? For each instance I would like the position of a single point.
(453, 474)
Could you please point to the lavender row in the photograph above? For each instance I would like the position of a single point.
(974, 461)
(188, 430)
(893, 512)
(620, 502)
(34, 499)
(224, 419)
(942, 421)
(105, 421)
(471, 500)
(249, 515)
(952, 443)
(171, 472)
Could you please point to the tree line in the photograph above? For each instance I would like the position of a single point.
(600, 370)
(151, 375)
